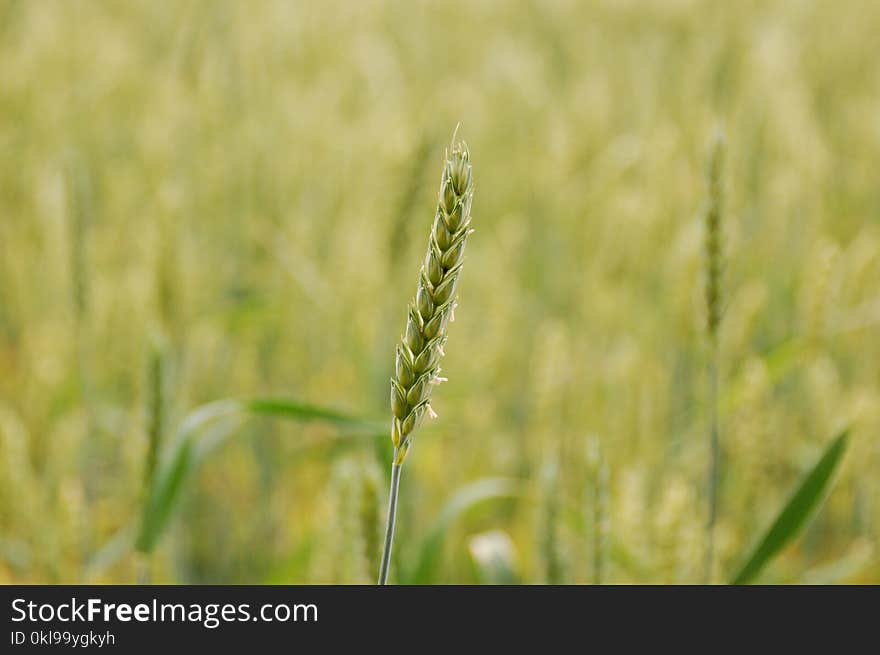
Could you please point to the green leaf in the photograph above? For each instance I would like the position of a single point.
(797, 511)
(304, 411)
(195, 441)
(163, 496)
(108, 555)
(462, 501)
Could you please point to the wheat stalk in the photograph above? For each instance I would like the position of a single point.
(598, 500)
(550, 546)
(79, 205)
(713, 254)
(156, 410)
(156, 407)
(416, 365)
(80, 213)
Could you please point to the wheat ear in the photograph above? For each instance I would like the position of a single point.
(713, 320)
(416, 364)
(598, 500)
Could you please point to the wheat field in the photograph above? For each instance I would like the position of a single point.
(203, 201)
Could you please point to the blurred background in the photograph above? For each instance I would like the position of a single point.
(246, 190)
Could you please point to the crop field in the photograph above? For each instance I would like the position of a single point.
(664, 360)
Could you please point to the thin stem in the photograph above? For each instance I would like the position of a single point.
(714, 464)
(392, 515)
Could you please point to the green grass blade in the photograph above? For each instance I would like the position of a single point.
(163, 497)
(201, 432)
(108, 555)
(293, 409)
(462, 501)
(797, 511)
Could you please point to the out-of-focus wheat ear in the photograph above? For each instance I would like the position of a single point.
(348, 538)
(597, 507)
(79, 211)
(79, 196)
(713, 234)
(714, 299)
(169, 281)
(818, 289)
(549, 523)
(413, 174)
(417, 357)
(370, 514)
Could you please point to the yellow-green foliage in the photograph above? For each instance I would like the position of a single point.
(257, 177)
